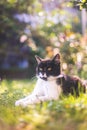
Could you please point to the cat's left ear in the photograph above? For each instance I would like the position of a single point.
(38, 59)
(56, 58)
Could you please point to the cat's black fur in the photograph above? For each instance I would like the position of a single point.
(69, 84)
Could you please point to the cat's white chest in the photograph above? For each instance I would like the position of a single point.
(51, 89)
(44, 91)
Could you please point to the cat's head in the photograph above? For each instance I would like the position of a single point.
(48, 69)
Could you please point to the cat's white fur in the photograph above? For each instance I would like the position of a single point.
(43, 91)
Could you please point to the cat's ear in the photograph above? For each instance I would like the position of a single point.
(38, 59)
(56, 58)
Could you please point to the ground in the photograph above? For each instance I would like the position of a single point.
(68, 113)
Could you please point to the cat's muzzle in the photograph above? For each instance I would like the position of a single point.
(44, 78)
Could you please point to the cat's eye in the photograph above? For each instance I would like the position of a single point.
(40, 69)
(49, 69)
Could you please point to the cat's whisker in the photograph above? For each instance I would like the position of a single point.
(33, 78)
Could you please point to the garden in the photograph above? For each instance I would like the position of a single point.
(43, 28)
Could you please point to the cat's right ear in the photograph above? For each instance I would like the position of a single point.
(38, 59)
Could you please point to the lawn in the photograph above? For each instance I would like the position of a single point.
(68, 113)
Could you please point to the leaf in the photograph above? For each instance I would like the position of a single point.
(12, 1)
(83, 1)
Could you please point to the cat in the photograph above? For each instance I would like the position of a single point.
(51, 83)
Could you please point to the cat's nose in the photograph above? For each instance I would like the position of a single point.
(44, 75)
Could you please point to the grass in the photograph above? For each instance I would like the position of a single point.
(69, 113)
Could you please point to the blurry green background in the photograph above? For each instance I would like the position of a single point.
(44, 28)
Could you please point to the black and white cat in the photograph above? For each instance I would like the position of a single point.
(51, 83)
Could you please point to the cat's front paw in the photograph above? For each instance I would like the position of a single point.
(20, 103)
(23, 103)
